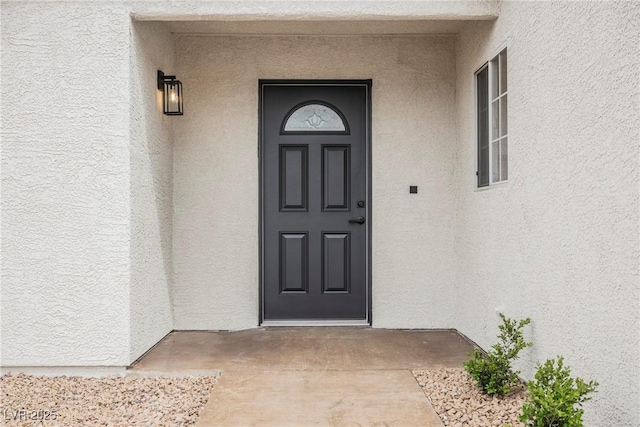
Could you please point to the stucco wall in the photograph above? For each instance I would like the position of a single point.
(85, 272)
(216, 171)
(151, 188)
(65, 184)
(254, 10)
(1, 163)
(559, 242)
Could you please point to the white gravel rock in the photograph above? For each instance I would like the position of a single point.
(461, 403)
(109, 401)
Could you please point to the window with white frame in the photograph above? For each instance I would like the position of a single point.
(491, 117)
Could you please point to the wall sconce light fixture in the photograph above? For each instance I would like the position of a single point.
(171, 94)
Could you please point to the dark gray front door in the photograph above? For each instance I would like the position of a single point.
(314, 200)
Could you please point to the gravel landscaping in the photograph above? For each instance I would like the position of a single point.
(461, 403)
(109, 401)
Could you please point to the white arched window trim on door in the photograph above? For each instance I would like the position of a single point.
(311, 117)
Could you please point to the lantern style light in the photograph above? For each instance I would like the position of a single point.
(171, 94)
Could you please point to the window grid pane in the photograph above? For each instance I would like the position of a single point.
(498, 118)
(495, 120)
(504, 167)
(503, 71)
(495, 161)
(494, 73)
(492, 121)
(483, 126)
(503, 115)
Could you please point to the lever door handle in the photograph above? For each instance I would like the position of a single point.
(359, 220)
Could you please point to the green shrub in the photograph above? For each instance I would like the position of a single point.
(555, 399)
(493, 372)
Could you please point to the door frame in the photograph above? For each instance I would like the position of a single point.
(367, 84)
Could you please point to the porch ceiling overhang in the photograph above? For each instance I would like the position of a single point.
(305, 10)
(328, 28)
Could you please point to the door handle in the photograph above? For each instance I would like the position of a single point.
(359, 220)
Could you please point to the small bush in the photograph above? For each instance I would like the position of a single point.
(555, 399)
(493, 372)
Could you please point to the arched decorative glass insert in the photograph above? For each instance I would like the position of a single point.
(315, 117)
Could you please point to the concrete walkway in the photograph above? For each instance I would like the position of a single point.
(311, 376)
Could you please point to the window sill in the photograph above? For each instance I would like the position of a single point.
(492, 186)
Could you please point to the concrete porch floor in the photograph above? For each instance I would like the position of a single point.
(322, 376)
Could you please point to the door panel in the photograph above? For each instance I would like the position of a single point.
(336, 262)
(336, 178)
(294, 176)
(314, 169)
(294, 262)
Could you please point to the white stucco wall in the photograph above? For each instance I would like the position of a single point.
(254, 10)
(65, 184)
(1, 133)
(559, 242)
(151, 151)
(85, 190)
(216, 171)
(89, 175)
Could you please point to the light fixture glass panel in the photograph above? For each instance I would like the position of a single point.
(314, 118)
(172, 98)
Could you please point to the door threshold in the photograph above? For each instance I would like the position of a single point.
(360, 322)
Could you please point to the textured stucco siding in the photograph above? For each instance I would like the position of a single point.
(151, 188)
(65, 184)
(253, 10)
(216, 171)
(1, 168)
(559, 242)
(101, 193)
